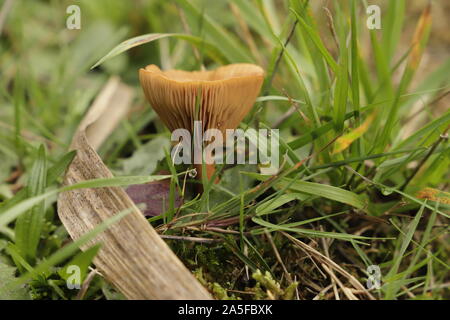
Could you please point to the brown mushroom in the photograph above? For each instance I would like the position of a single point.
(221, 97)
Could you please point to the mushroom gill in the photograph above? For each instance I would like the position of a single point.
(219, 98)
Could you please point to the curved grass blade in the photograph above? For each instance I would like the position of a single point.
(309, 232)
(211, 50)
(29, 226)
(326, 191)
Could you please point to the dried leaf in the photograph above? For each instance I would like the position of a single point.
(434, 195)
(133, 257)
(154, 195)
(346, 140)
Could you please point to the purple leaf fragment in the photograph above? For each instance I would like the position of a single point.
(154, 195)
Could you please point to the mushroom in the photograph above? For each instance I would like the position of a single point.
(219, 98)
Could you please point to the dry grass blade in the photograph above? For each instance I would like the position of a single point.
(420, 37)
(348, 293)
(133, 257)
(330, 263)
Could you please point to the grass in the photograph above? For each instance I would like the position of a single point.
(364, 178)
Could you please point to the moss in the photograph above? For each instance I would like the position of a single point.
(215, 288)
(274, 289)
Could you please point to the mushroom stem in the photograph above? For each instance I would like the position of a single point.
(210, 168)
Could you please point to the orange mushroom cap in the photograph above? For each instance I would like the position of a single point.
(226, 95)
(219, 98)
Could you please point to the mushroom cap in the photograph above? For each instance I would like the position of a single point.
(222, 97)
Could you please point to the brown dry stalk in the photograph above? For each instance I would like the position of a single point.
(132, 257)
(330, 263)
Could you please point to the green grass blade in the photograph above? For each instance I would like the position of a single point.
(326, 191)
(312, 33)
(29, 226)
(308, 232)
(72, 247)
(58, 168)
(229, 46)
(12, 213)
(211, 50)
(392, 288)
